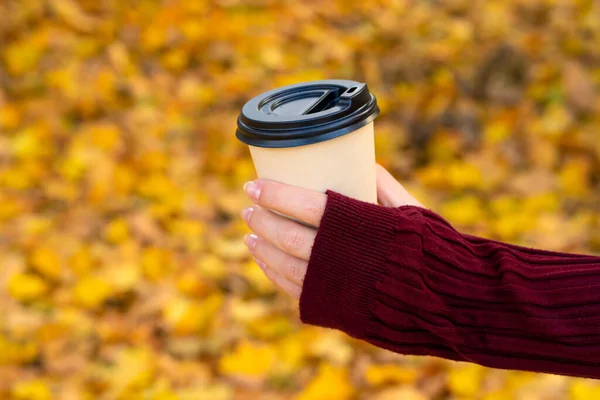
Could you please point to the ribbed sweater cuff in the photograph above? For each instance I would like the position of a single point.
(405, 280)
(343, 274)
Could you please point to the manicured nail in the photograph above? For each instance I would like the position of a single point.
(246, 213)
(252, 190)
(251, 240)
(261, 264)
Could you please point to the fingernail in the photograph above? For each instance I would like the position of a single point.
(246, 213)
(250, 240)
(261, 264)
(252, 190)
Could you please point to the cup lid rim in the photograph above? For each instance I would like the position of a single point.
(306, 113)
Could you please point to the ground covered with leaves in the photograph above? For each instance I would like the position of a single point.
(123, 272)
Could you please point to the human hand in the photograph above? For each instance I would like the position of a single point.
(281, 247)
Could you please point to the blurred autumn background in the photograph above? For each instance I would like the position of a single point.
(123, 272)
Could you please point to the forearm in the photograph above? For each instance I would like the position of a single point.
(405, 280)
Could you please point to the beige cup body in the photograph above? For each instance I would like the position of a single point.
(345, 164)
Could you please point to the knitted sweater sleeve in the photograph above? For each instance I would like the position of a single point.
(403, 279)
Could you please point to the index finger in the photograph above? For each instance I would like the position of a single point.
(299, 203)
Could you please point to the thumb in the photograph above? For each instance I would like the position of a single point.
(391, 193)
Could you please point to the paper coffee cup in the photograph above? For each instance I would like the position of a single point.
(317, 135)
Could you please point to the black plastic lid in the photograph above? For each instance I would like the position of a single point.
(306, 113)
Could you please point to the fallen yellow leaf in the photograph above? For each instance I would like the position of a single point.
(73, 15)
(465, 379)
(389, 373)
(333, 346)
(117, 231)
(330, 383)
(36, 389)
(584, 389)
(134, 368)
(91, 292)
(466, 210)
(249, 361)
(26, 287)
(46, 261)
(185, 316)
(13, 352)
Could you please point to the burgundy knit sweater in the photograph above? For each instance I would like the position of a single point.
(405, 280)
